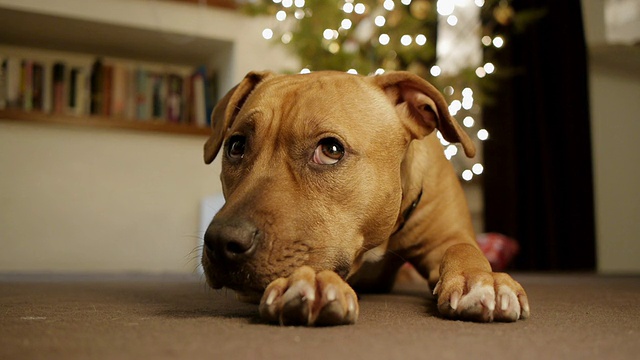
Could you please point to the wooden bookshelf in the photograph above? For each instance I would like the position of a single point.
(101, 122)
(181, 33)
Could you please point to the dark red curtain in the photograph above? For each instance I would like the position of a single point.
(538, 181)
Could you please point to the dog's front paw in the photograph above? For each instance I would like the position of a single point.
(310, 298)
(481, 296)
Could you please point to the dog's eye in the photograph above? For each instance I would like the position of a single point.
(235, 147)
(328, 152)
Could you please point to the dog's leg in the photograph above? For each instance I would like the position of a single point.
(468, 289)
(310, 298)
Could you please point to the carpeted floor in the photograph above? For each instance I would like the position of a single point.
(158, 317)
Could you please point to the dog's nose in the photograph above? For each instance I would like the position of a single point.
(231, 240)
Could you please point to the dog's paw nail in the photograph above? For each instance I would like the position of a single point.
(489, 302)
(309, 296)
(525, 306)
(331, 294)
(504, 302)
(301, 289)
(454, 300)
(436, 289)
(271, 297)
(351, 304)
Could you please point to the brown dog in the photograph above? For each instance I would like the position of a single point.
(330, 177)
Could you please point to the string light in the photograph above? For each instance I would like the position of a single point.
(286, 38)
(449, 90)
(498, 42)
(406, 40)
(489, 68)
(267, 33)
(421, 39)
(450, 151)
(389, 5)
(445, 7)
(454, 107)
(468, 121)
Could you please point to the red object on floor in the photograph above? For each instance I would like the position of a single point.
(499, 249)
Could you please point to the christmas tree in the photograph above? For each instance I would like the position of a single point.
(440, 40)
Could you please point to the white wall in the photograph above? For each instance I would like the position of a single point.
(615, 109)
(615, 124)
(75, 199)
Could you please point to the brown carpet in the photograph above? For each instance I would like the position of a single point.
(158, 317)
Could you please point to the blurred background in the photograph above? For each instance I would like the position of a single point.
(104, 110)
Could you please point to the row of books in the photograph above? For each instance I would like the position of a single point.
(112, 89)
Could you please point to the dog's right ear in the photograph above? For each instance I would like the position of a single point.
(226, 111)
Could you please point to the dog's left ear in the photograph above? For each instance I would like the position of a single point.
(226, 111)
(424, 106)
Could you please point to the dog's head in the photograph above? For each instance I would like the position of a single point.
(311, 170)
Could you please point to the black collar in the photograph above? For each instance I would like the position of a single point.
(406, 213)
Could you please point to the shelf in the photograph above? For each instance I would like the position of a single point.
(101, 122)
(44, 31)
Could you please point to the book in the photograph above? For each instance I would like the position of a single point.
(3, 83)
(142, 94)
(205, 90)
(13, 78)
(97, 88)
(107, 90)
(174, 98)
(159, 95)
(78, 91)
(37, 86)
(58, 85)
(187, 116)
(199, 101)
(120, 88)
(26, 85)
(47, 87)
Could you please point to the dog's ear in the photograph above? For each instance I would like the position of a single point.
(424, 106)
(226, 111)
